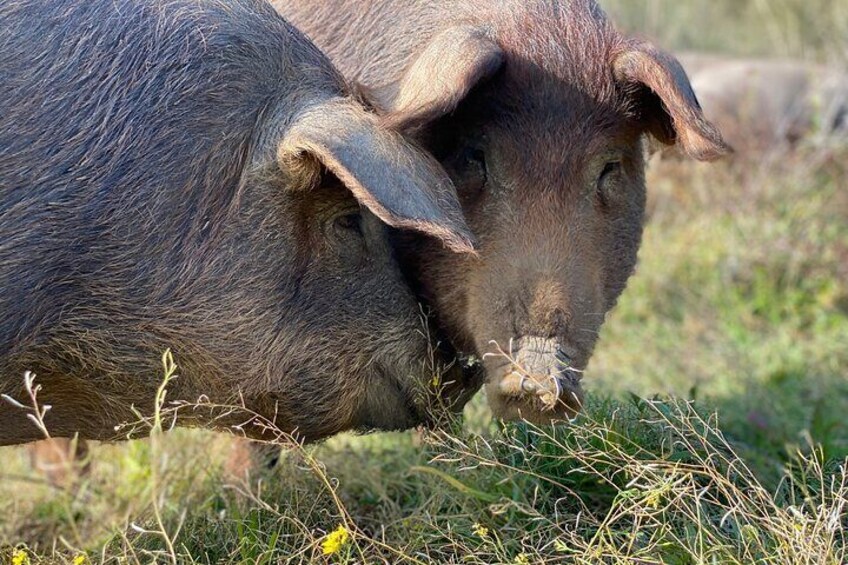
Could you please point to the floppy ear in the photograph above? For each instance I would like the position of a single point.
(666, 101)
(401, 185)
(451, 65)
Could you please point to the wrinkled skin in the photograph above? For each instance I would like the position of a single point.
(195, 175)
(538, 110)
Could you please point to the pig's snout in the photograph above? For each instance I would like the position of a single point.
(534, 381)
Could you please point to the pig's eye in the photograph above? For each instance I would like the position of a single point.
(606, 181)
(471, 166)
(349, 223)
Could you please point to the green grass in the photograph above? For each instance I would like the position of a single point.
(742, 304)
(715, 431)
(737, 318)
(813, 29)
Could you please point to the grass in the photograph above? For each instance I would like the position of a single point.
(738, 317)
(715, 431)
(810, 29)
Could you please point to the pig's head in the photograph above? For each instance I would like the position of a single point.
(354, 352)
(539, 113)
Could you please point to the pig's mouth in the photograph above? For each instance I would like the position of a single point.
(535, 380)
(545, 394)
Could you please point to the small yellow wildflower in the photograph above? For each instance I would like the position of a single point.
(335, 540)
(435, 382)
(20, 557)
(653, 499)
(481, 530)
(79, 559)
(522, 559)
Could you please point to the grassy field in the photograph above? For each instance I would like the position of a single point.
(715, 431)
(810, 29)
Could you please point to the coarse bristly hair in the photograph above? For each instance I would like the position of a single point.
(538, 110)
(143, 207)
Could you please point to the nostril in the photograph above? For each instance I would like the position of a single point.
(563, 356)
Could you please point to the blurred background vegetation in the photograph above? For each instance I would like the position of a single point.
(739, 304)
(809, 29)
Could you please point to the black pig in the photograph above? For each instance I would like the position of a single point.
(195, 175)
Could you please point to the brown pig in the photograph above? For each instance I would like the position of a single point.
(539, 110)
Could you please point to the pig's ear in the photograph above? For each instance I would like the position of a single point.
(665, 100)
(455, 61)
(400, 184)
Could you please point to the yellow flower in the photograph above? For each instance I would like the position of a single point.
(522, 559)
(653, 499)
(435, 382)
(481, 530)
(335, 540)
(20, 557)
(79, 559)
